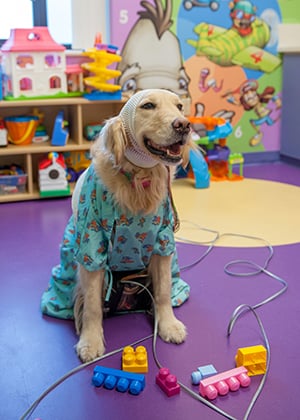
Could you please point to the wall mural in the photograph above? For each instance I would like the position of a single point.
(220, 56)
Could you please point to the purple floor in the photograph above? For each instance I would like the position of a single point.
(37, 350)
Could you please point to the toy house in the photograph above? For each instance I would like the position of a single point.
(53, 176)
(33, 64)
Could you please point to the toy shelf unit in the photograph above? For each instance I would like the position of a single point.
(77, 112)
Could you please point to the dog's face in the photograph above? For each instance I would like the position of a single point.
(150, 129)
(160, 127)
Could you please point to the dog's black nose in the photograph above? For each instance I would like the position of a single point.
(181, 125)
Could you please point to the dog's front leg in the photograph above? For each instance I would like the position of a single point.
(89, 316)
(170, 328)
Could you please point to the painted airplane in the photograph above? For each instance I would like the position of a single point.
(227, 47)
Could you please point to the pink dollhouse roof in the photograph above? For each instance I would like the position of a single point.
(30, 40)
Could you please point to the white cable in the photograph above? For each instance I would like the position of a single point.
(72, 372)
(238, 311)
(235, 316)
(244, 307)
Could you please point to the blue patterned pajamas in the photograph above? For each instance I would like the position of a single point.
(102, 236)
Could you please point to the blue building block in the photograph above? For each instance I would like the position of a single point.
(122, 381)
(203, 372)
(200, 169)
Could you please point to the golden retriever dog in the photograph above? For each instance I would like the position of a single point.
(134, 160)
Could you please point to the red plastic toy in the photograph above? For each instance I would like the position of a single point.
(167, 382)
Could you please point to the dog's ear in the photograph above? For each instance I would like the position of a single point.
(113, 139)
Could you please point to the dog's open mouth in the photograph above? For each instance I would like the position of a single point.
(171, 153)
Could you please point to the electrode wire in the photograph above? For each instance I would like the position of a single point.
(235, 316)
(241, 309)
(77, 369)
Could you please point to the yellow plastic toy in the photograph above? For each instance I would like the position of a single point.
(253, 358)
(135, 360)
(103, 56)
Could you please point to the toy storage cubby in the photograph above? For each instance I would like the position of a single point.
(78, 112)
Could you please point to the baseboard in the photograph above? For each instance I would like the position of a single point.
(261, 157)
(290, 160)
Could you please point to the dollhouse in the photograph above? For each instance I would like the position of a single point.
(33, 64)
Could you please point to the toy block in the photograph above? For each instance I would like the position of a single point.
(135, 360)
(122, 381)
(202, 372)
(254, 359)
(167, 382)
(221, 384)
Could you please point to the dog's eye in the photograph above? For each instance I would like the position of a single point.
(180, 107)
(148, 105)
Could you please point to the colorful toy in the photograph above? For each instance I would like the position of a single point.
(135, 360)
(211, 133)
(33, 64)
(60, 133)
(21, 128)
(53, 176)
(74, 74)
(202, 372)
(233, 159)
(224, 382)
(103, 56)
(254, 359)
(200, 169)
(122, 381)
(77, 162)
(167, 382)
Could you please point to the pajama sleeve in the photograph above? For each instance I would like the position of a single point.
(93, 228)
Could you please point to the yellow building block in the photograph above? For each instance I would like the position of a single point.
(253, 358)
(135, 360)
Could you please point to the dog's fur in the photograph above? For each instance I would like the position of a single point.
(159, 118)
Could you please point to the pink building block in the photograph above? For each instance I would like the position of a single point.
(167, 382)
(221, 384)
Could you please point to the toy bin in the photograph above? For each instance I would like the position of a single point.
(21, 129)
(12, 184)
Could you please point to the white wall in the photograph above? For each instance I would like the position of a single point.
(88, 18)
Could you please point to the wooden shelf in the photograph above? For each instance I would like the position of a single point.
(56, 101)
(77, 111)
(45, 147)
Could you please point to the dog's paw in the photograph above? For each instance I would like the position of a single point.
(90, 349)
(172, 331)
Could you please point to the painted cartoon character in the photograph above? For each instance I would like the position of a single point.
(242, 13)
(251, 99)
(205, 84)
(146, 59)
(242, 45)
